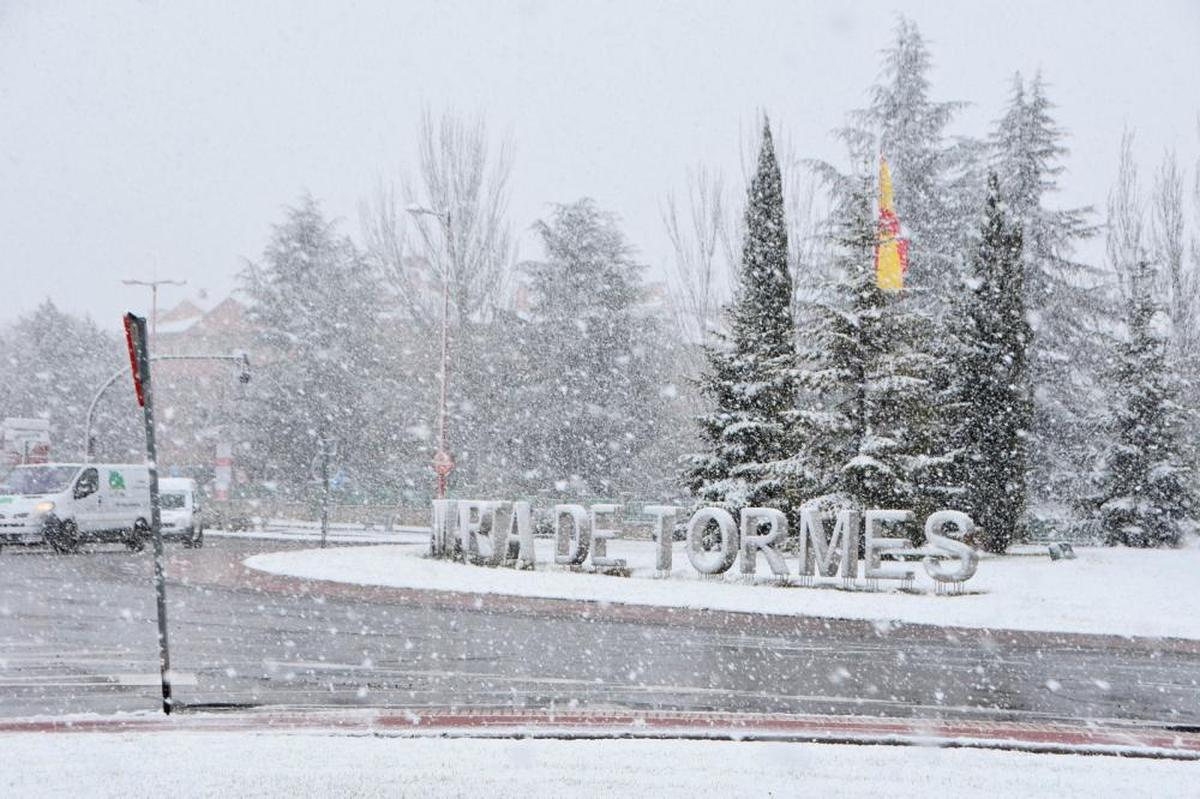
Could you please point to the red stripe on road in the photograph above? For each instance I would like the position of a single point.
(1092, 738)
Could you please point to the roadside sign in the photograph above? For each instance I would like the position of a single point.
(132, 332)
(139, 361)
(443, 463)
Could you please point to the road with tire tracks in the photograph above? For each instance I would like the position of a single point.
(77, 634)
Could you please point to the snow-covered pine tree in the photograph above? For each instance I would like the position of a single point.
(749, 377)
(835, 356)
(993, 403)
(1144, 495)
(1063, 296)
(866, 430)
(316, 303)
(898, 451)
(593, 402)
(54, 363)
(933, 199)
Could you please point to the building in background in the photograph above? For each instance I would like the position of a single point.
(199, 402)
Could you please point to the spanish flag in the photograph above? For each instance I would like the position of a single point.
(891, 251)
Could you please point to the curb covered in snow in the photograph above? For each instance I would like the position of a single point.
(1090, 738)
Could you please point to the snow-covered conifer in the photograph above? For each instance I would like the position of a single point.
(992, 390)
(749, 378)
(1065, 303)
(867, 426)
(1144, 495)
(904, 123)
(315, 302)
(590, 400)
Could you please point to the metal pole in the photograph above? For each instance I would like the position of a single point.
(138, 324)
(324, 491)
(441, 478)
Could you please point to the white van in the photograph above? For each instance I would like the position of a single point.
(64, 504)
(179, 511)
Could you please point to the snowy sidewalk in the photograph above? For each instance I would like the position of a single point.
(1105, 591)
(382, 753)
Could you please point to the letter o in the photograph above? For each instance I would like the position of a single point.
(719, 561)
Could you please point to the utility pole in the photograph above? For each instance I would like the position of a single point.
(154, 284)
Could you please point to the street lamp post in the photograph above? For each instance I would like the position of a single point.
(443, 463)
(154, 284)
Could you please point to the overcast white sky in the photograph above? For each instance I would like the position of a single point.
(163, 138)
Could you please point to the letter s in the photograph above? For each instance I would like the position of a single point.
(968, 559)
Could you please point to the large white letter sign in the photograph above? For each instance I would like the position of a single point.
(829, 555)
(663, 533)
(877, 544)
(518, 544)
(498, 516)
(937, 540)
(470, 522)
(441, 530)
(601, 536)
(752, 543)
(503, 542)
(571, 548)
(717, 561)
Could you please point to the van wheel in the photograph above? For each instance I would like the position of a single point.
(62, 536)
(135, 541)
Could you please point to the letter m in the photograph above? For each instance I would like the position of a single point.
(829, 554)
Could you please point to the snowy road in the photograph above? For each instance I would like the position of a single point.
(77, 634)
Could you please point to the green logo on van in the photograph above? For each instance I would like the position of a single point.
(116, 481)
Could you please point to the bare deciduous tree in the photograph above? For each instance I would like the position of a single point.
(1196, 210)
(704, 252)
(1167, 230)
(467, 185)
(1124, 243)
(807, 244)
(706, 239)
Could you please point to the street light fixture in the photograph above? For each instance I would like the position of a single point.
(154, 284)
(443, 463)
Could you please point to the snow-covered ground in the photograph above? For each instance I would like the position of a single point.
(1105, 590)
(405, 535)
(245, 764)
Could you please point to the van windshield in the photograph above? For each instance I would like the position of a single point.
(171, 501)
(28, 480)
